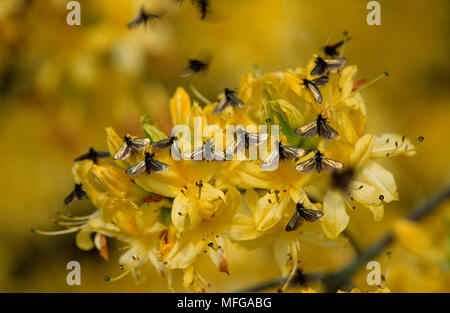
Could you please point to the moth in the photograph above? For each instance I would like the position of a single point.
(143, 17)
(331, 50)
(319, 126)
(76, 194)
(229, 98)
(195, 66)
(319, 162)
(148, 165)
(208, 152)
(302, 213)
(323, 66)
(203, 6)
(303, 279)
(244, 139)
(313, 86)
(283, 152)
(129, 146)
(93, 155)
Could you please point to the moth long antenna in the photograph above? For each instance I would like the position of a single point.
(292, 24)
(385, 74)
(198, 94)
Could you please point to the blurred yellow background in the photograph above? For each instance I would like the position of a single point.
(61, 85)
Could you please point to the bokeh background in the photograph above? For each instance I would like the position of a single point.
(61, 85)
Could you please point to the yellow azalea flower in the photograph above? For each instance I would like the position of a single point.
(173, 217)
(371, 184)
(208, 237)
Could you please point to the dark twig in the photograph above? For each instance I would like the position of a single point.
(337, 280)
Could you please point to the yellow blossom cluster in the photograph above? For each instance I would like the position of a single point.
(194, 208)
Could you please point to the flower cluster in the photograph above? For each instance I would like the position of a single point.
(187, 209)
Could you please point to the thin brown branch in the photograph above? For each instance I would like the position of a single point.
(341, 278)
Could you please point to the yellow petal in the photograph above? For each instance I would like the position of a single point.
(268, 214)
(388, 145)
(335, 217)
(243, 228)
(186, 250)
(380, 178)
(362, 151)
(181, 208)
(286, 255)
(218, 256)
(180, 107)
(346, 80)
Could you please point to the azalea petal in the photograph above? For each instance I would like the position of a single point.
(346, 80)
(377, 176)
(180, 107)
(218, 256)
(286, 255)
(388, 145)
(243, 228)
(252, 199)
(362, 151)
(180, 209)
(335, 217)
(186, 250)
(268, 214)
(319, 239)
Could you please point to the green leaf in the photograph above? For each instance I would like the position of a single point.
(150, 130)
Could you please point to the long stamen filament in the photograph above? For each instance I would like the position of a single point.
(74, 218)
(125, 273)
(385, 74)
(198, 94)
(56, 232)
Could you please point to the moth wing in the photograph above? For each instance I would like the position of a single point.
(137, 169)
(219, 155)
(294, 222)
(307, 130)
(315, 92)
(223, 103)
(310, 215)
(70, 198)
(257, 138)
(103, 154)
(236, 102)
(306, 166)
(335, 63)
(83, 157)
(230, 150)
(319, 69)
(175, 151)
(162, 144)
(123, 152)
(330, 165)
(136, 22)
(80, 194)
(193, 154)
(158, 166)
(320, 82)
(269, 161)
(292, 152)
(187, 72)
(140, 143)
(327, 132)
